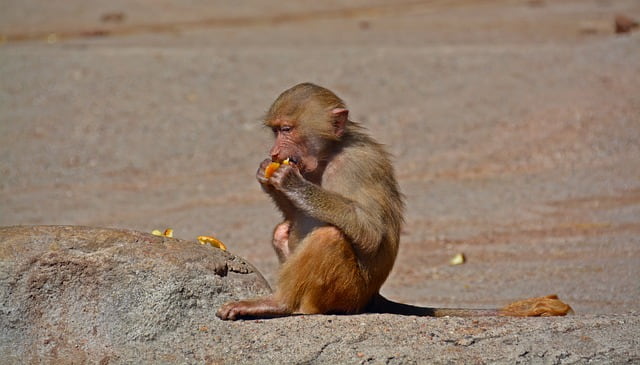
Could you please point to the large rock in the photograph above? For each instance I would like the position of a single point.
(72, 295)
(76, 293)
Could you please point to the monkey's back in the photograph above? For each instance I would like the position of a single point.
(363, 173)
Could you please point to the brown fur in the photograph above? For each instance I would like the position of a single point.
(546, 306)
(342, 214)
(324, 276)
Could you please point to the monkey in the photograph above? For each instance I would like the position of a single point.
(343, 212)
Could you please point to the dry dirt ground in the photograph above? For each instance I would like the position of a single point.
(515, 127)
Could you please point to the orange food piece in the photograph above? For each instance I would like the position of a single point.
(273, 166)
(271, 169)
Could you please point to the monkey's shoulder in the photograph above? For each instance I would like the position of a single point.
(359, 169)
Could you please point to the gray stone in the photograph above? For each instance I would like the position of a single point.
(88, 295)
(78, 293)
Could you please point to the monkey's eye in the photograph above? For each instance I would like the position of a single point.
(281, 129)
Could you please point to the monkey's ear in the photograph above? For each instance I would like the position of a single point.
(339, 120)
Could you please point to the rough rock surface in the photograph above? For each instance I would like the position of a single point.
(77, 293)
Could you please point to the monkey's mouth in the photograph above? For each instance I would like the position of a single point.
(297, 163)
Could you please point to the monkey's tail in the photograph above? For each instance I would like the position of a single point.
(549, 305)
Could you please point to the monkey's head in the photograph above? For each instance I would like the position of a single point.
(307, 121)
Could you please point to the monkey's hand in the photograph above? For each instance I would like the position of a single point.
(281, 201)
(286, 177)
(260, 174)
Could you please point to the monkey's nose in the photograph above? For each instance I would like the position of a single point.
(274, 155)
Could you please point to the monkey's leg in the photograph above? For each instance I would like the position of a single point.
(323, 276)
(267, 307)
(281, 240)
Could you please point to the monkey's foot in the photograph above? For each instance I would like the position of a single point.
(546, 306)
(258, 308)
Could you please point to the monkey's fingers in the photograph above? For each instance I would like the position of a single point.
(261, 172)
(261, 179)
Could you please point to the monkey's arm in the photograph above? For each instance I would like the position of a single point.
(281, 201)
(363, 225)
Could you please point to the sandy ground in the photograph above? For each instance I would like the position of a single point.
(515, 127)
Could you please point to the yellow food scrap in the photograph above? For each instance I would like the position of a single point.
(202, 239)
(167, 232)
(212, 241)
(458, 259)
(52, 38)
(273, 166)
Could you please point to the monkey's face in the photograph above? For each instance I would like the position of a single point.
(291, 142)
(305, 130)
